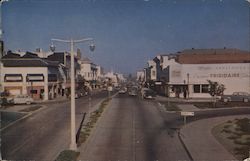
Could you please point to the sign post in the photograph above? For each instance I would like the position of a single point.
(109, 90)
(185, 114)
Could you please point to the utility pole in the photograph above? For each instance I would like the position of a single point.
(73, 145)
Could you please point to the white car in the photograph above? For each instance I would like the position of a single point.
(23, 99)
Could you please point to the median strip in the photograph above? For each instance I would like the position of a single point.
(68, 155)
(94, 116)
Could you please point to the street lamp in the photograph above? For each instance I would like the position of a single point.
(73, 123)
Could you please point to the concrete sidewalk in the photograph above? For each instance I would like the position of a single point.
(201, 143)
(165, 99)
(188, 107)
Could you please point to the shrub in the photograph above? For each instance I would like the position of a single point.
(226, 131)
(226, 126)
(244, 125)
(232, 137)
(67, 155)
(242, 151)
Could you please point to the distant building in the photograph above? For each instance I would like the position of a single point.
(140, 76)
(152, 70)
(89, 71)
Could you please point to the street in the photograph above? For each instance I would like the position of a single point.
(129, 129)
(46, 133)
(133, 129)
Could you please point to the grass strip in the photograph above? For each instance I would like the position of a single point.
(94, 116)
(172, 107)
(67, 155)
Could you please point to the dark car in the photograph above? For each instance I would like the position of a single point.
(149, 94)
(236, 97)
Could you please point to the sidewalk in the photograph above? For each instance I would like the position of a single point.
(165, 99)
(200, 142)
(188, 107)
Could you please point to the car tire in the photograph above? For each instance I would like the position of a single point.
(245, 100)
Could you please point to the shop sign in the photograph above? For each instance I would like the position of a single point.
(185, 113)
(225, 75)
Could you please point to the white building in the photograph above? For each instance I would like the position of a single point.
(140, 75)
(100, 72)
(153, 72)
(89, 71)
(120, 77)
(191, 69)
(39, 78)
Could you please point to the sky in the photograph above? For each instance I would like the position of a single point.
(127, 33)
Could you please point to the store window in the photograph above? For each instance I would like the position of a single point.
(13, 78)
(197, 88)
(204, 88)
(33, 91)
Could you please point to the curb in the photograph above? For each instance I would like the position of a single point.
(185, 147)
(94, 128)
(183, 143)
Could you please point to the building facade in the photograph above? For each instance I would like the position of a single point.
(29, 74)
(189, 71)
(89, 71)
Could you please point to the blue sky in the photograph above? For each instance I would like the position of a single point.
(127, 33)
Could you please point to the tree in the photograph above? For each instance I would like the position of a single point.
(215, 89)
(81, 82)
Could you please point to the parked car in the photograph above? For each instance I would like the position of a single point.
(78, 94)
(132, 92)
(236, 97)
(23, 99)
(122, 91)
(148, 93)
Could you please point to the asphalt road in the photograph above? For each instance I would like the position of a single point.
(130, 129)
(133, 130)
(42, 136)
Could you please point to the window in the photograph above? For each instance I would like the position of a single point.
(35, 78)
(204, 88)
(13, 78)
(197, 88)
(33, 91)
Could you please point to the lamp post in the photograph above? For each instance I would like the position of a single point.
(72, 82)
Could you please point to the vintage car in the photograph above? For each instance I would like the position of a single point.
(236, 97)
(23, 99)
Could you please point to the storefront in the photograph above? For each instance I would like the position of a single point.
(193, 78)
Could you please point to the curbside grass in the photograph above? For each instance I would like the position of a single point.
(68, 155)
(235, 136)
(94, 116)
(172, 107)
